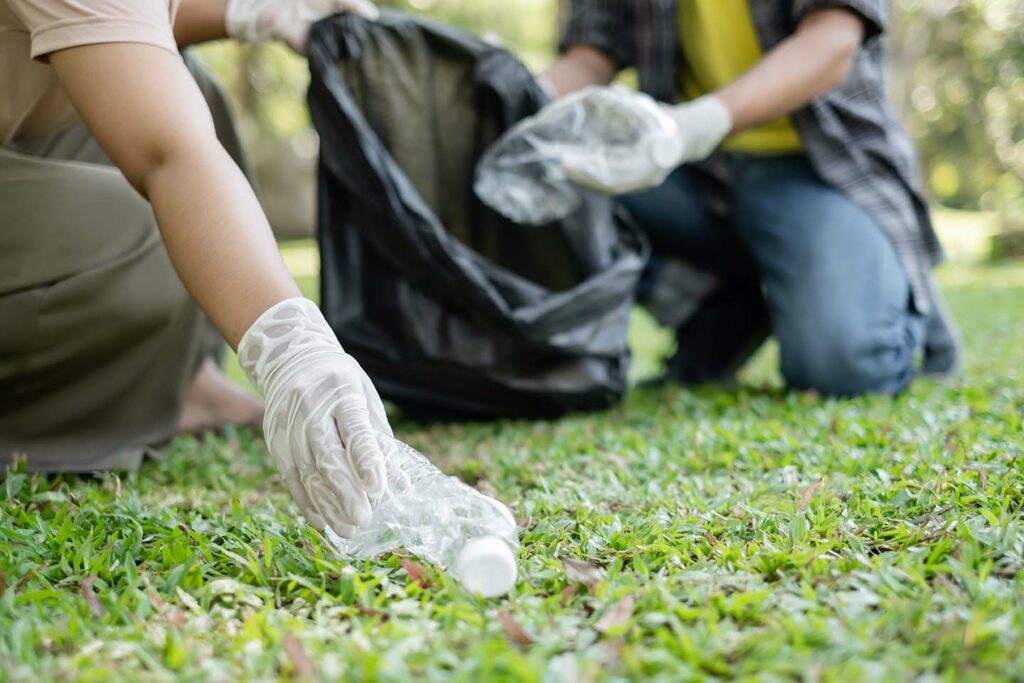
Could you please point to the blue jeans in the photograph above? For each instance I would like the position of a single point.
(796, 258)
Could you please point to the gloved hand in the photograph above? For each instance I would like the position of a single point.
(287, 20)
(703, 124)
(322, 414)
(671, 136)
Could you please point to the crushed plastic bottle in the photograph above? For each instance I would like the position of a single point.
(606, 139)
(439, 519)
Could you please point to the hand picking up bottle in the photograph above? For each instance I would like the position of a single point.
(322, 414)
(439, 519)
(327, 430)
(609, 140)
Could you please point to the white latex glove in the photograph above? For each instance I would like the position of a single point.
(703, 124)
(685, 133)
(322, 414)
(287, 20)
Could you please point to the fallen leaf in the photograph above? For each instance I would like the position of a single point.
(582, 572)
(617, 615)
(568, 592)
(90, 597)
(513, 630)
(3, 582)
(30, 573)
(416, 572)
(300, 660)
(809, 494)
(157, 601)
(371, 612)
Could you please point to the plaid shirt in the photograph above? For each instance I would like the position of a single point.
(850, 135)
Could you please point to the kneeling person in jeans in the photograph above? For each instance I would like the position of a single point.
(798, 188)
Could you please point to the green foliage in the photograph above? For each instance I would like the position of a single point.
(959, 75)
(762, 535)
(528, 27)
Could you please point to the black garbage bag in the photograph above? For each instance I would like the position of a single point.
(454, 311)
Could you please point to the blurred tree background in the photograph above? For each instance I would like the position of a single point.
(957, 79)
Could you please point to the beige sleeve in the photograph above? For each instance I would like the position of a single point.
(59, 24)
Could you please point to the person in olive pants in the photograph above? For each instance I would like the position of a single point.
(80, 245)
(125, 218)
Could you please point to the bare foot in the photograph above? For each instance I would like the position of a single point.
(213, 401)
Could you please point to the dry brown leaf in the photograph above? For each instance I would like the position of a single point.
(809, 494)
(568, 592)
(416, 571)
(617, 615)
(300, 660)
(582, 572)
(513, 630)
(372, 612)
(3, 583)
(30, 573)
(90, 597)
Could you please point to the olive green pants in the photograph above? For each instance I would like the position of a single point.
(98, 338)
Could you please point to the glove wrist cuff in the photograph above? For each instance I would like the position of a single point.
(703, 124)
(233, 25)
(716, 115)
(290, 329)
(241, 21)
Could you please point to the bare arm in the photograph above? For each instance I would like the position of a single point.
(814, 60)
(581, 66)
(148, 115)
(809, 63)
(199, 21)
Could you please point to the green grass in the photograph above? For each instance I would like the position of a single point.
(762, 535)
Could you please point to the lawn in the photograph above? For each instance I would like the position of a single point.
(751, 534)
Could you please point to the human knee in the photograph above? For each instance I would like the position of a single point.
(844, 362)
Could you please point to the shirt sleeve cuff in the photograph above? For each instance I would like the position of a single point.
(601, 30)
(872, 12)
(99, 30)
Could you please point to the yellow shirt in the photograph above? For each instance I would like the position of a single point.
(719, 44)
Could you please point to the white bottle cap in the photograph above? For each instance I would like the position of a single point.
(486, 566)
(665, 151)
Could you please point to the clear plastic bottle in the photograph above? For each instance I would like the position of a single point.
(439, 519)
(611, 140)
